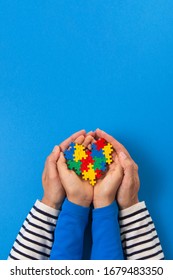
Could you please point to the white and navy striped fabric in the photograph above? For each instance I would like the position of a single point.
(138, 234)
(35, 238)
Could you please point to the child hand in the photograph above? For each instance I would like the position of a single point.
(53, 191)
(77, 190)
(105, 189)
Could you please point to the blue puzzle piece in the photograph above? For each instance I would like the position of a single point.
(68, 154)
(95, 152)
(103, 166)
(93, 146)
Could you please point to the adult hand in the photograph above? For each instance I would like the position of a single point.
(77, 190)
(127, 194)
(53, 191)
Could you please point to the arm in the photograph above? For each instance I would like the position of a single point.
(105, 227)
(106, 234)
(69, 232)
(133, 240)
(35, 238)
(138, 234)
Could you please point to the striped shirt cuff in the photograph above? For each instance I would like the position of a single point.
(35, 238)
(138, 234)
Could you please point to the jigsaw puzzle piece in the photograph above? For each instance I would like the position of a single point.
(100, 143)
(107, 151)
(103, 166)
(95, 152)
(68, 153)
(87, 161)
(79, 152)
(98, 173)
(90, 175)
(98, 162)
(73, 165)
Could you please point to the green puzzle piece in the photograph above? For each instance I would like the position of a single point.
(98, 161)
(73, 165)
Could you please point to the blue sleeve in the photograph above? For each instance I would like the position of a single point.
(69, 232)
(106, 234)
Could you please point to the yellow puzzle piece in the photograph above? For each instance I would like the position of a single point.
(107, 150)
(90, 174)
(79, 152)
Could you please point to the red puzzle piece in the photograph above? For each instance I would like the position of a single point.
(98, 173)
(87, 161)
(100, 143)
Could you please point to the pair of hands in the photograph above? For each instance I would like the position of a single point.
(121, 180)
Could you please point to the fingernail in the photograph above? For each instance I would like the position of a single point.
(55, 148)
(122, 155)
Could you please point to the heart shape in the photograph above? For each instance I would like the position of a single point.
(91, 164)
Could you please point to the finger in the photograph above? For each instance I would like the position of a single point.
(61, 163)
(93, 141)
(53, 157)
(115, 157)
(80, 139)
(129, 176)
(117, 164)
(65, 144)
(92, 133)
(88, 140)
(116, 145)
(51, 161)
(44, 174)
(126, 162)
(115, 161)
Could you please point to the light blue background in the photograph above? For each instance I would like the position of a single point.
(68, 65)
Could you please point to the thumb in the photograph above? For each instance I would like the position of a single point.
(55, 153)
(123, 159)
(61, 163)
(51, 161)
(126, 162)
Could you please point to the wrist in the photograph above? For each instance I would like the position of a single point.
(102, 203)
(127, 204)
(102, 199)
(56, 205)
(81, 201)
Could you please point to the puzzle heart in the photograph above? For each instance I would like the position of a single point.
(91, 164)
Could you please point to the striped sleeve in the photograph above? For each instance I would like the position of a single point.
(138, 234)
(35, 238)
